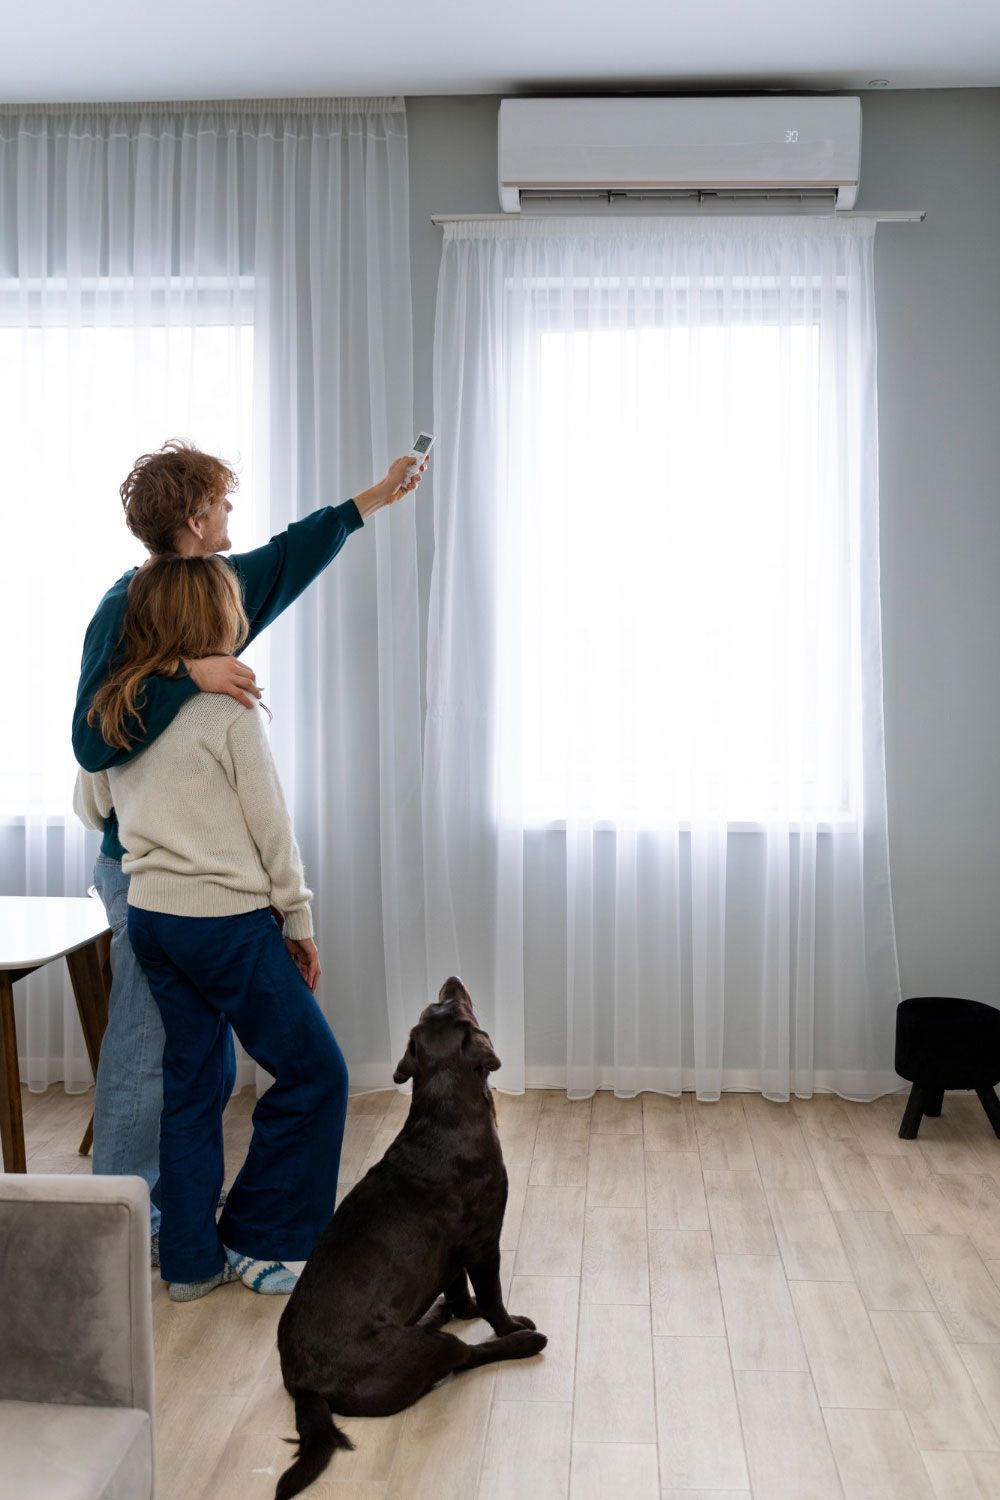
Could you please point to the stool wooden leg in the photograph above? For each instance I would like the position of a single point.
(915, 1109)
(935, 1101)
(11, 1117)
(988, 1099)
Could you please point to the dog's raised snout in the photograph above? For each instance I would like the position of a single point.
(453, 999)
(453, 989)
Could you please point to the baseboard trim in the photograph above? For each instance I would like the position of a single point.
(367, 1078)
(863, 1086)
(858, 1085)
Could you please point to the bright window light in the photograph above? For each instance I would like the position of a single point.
(675, 604)
(77, 406)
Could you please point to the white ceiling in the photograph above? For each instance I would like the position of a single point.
(190, 49)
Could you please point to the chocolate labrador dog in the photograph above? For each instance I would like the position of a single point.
(362, 1332)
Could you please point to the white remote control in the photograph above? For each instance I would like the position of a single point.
(422, 445)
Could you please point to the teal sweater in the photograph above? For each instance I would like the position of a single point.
(272, 577)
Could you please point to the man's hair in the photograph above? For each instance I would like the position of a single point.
(166, 487)
(178, 608)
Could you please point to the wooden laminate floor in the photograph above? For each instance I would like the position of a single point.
(741, 1298)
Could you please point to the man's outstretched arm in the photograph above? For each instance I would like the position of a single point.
(273, 576)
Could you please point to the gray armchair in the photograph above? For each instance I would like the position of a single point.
(76, 1339)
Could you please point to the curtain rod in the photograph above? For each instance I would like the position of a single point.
(882, 216)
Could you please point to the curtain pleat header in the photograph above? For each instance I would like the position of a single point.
(360, 104)
(374, 117)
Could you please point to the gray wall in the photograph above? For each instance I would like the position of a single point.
(939, 433)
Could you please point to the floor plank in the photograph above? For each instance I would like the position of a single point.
(964, 1476)
(738, 1213)
(615, 1256)
(807, 1235)
(527, 1453)
(684, 1284)
(787, 1445)
(876, 1456)
(844, 1356)
(675, 1191)
(886, 1273)
(551, 1238)
(614, 1376)
(615, 1178)
(966, 1295)
(603, 1470)
(933, 1384)
(760, 1320)
(699, 1436)
(553, 1304)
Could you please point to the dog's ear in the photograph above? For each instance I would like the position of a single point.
(407, 1065)
(477, 1049)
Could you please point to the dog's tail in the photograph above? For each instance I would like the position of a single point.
(319, 1439)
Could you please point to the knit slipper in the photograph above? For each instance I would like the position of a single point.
(190, 1291)
(268, 1276)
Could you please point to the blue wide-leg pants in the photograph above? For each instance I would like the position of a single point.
(205, 972)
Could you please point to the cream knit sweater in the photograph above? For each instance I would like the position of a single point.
(203, 819)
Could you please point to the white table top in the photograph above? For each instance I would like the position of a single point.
(36, 929)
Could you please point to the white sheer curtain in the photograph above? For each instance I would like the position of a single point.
(655, 822)
(236, 274)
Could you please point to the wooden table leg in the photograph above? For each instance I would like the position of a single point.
(89, 973)
(103, 946)
(11, 1117)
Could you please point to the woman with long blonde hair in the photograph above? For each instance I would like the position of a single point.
(178, 607)
(210, 849)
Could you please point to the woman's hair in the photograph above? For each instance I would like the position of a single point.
(166, 487)
(178, 607)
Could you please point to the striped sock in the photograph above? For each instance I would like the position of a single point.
(268, 1276)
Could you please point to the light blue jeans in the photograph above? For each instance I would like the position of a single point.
(129, 1093)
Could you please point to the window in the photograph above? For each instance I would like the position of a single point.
(77, 405)
(674, 628)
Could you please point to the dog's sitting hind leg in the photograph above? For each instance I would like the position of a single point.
(519, 1345)
(459, 1298)
(405, 1363)
(456, 1304)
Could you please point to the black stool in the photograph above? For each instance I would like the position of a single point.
(947, 1044)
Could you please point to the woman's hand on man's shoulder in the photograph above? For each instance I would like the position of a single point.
(225, 674)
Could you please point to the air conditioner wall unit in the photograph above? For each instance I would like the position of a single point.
(738, 150)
